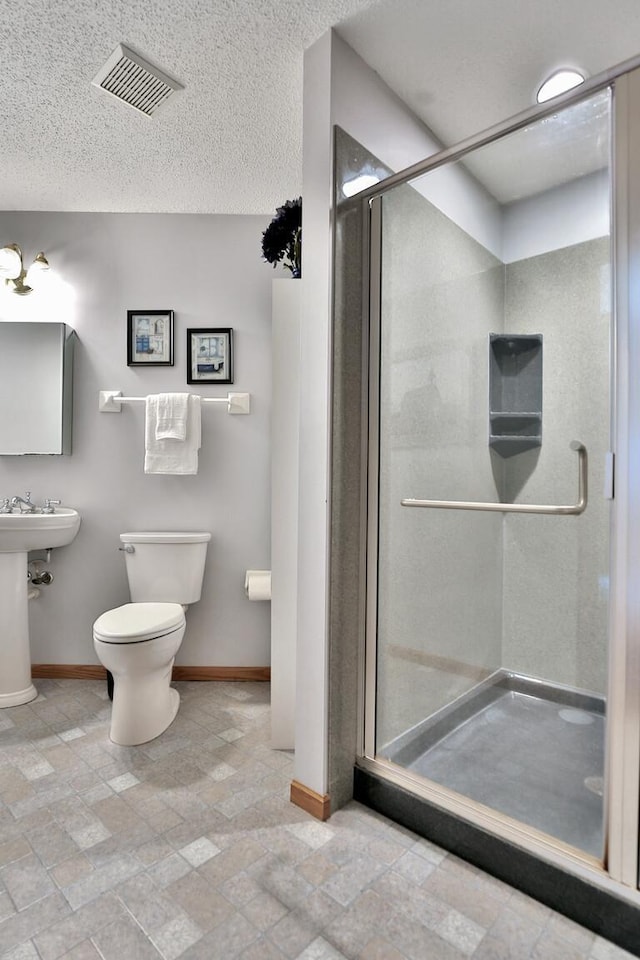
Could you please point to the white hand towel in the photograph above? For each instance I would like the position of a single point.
(171, 416)
(172, 456)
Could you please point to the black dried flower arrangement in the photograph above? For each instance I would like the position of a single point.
(282, 240)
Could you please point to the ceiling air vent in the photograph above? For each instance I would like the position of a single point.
(135, 81)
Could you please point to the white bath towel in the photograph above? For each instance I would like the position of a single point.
(172, 456)
(171, 415)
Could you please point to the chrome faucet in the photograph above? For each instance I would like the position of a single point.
(5, 506)
(26, 506)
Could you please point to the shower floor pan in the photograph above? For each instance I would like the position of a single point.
(525, 748)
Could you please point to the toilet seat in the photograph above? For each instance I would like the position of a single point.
(136, 622)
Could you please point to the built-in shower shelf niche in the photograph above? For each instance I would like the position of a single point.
(515, 392)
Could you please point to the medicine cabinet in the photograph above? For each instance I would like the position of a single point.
(36, 387)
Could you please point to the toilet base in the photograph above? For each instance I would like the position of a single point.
(144, 703)
(142, 708)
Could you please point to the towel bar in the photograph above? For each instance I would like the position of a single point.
(111, 401)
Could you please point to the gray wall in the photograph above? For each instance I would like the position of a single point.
(440, 572)
(556, 570)
(208, 270)
(462, 594)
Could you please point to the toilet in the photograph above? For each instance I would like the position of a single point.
(138, 641)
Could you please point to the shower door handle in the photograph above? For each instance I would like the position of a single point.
(557, 510)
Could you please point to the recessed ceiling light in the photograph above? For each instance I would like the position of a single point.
(559, 82)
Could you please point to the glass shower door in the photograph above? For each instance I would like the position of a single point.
(491, 383)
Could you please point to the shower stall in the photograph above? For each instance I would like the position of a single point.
(500, 681)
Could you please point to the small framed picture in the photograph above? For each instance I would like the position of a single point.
(150, 338)
(210, 355)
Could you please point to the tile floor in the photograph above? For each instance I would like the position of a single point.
(188, 847)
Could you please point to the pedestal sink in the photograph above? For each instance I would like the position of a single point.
(20, 533)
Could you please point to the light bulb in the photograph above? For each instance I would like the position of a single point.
(40, 262)
(559, 82)
(10, 261)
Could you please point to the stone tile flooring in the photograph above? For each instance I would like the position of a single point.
(188, 847)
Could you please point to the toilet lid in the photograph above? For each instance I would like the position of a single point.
(134, 622)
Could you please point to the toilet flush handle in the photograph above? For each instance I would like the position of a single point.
(128, 548)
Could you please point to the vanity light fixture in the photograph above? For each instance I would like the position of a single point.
(559, 82)
(13, 271)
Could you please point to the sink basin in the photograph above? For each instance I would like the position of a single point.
(21, 532)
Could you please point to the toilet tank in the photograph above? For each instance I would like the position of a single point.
(165, 566)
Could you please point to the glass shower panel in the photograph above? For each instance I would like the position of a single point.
(494, 355)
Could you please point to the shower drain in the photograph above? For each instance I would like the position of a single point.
(595, 785)
(575, 716)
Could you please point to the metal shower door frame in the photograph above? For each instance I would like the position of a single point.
(622, 801)
(622, 775)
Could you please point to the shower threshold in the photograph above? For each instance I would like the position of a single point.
(526, 748)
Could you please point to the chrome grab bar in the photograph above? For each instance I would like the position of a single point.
(560, 510)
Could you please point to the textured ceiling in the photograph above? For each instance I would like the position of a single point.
(231, 141)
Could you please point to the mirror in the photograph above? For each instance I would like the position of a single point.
(36, 381)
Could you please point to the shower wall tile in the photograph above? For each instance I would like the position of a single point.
(556, 569)
(440, 572)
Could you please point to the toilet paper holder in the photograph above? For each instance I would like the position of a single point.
(257, 584)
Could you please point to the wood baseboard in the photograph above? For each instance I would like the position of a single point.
(221, 673)
(67, 671)
(88, 671)
(317, 804)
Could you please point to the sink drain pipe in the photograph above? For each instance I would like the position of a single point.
(36, 578)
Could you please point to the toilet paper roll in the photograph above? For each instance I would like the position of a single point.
(257, 584)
